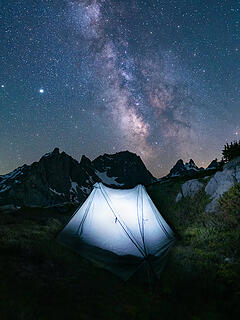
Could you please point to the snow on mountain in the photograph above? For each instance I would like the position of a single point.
(189, 168)
(124, 168)
(108, 180)
(57, 176)
(180, 169)
(214, 165)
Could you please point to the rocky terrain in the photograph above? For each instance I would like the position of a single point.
(191, 170)
(213, 186)
(58, 178)
(40, 279)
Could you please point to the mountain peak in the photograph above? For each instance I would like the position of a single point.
(215, 164)
(180, 168)
(125, 166)
(177, 169)
(179, 162)
(85, 161)
(57, 177)
(56, 151)
(189, 168)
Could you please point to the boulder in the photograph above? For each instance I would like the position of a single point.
(221, 182)
(178, 197)
(189, 189)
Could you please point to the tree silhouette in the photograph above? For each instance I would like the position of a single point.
(231, 151)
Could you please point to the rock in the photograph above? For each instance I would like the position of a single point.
(211, 206)
(191, 187)
(178, 197)
(221, 182)
(233, 164)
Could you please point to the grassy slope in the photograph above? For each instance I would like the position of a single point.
(206, 258)
(39, 279)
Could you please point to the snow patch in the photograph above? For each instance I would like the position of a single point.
(74, 186)
(189, 166)
(175, 174)
(108, 180)
(12, 175)
(191, 187)
(46, 155)
(4, 188)
(58, 193)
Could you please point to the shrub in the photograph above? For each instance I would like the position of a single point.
(231, 151)
(230, 205)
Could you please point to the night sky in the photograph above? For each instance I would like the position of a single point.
(158, 78)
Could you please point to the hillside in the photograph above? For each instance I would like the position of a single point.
(201, 278)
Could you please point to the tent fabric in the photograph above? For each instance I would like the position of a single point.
(121, 229)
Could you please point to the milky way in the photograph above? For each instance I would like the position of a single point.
(104, 76)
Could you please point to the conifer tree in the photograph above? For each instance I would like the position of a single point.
(231, 151)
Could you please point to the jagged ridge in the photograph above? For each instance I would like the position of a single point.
(57, 177)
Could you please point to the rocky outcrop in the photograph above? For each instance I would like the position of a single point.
(221, 182)
(181, 169)
(190, 169)
(189, 189)
(52, 180)
(214, 165)
(122, 169)
(177, 169)
(58, 178)
(179, 196)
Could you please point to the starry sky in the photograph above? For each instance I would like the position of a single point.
(159, 78)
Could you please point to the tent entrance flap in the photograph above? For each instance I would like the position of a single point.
(121, 229)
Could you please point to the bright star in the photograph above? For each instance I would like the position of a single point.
(41, 90)
(2, 86)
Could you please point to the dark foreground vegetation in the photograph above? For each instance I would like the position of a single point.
(40, 279)
(231, 151)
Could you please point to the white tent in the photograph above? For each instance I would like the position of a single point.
(121, 229)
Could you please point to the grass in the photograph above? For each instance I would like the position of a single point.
(207, 255)
(41, 280)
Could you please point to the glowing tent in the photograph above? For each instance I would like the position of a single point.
(121, 229)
